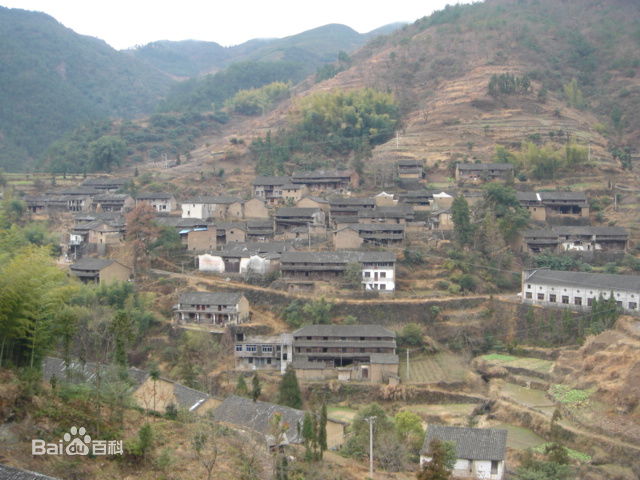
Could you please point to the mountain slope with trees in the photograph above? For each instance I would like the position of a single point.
(54, 80)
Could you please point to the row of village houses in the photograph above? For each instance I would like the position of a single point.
(480, 453)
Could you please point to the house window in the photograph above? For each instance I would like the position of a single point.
(589, 301)
(252, 348)
(633, 305)
(552, 298)
(565, 299)
(577, 300)
(383, 286)
(494, 467)
(383, 274)
(528, 295)
(529, 286)
(541, 296)
(238, 348)
(367, 274)
(618, 303)
(267, 348)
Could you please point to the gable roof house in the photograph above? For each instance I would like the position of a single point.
(243, 413)
(480, 452)
(342, 207)
(575, 239)
(375, 234)
(396, 214)
(378, 268)
(577, 290)
(161, 202)
(272, 189)
(291, 217)
(327, 180)
(410, 169)
(220, 208)
(260, 230)
(100, 270)
(558, 204)
(346, 352)
(420, 200)
(108, 184)
(214, 308)
(482, 172)
(112, 202)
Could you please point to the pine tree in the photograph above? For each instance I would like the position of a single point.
(256, 388)
(289, 394)
(322, 430)
(462, 227)
(308, 435)
(241, 387)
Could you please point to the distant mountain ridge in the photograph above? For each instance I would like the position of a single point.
(313, 47)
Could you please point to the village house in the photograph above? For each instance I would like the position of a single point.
(218, 208)
(261, 352)
(257, 258)
(256, 417)
(260, 230)
(384, 199)
(480, 452)
(311, 201)
(107, 228)
(161, 202)
(112, 202)
(378, 268)
(420, 200)
(105, 184)
(483, 172)
(440, 219)
(288, 218)
(410, 169)
(101, 271)
(346, 352)
(340, 181)
(255, 208)
(575, 239)
(231, 232)
(349, 207)
(577, 290)
(399, 214)
(200, 239)
(212, 308)
(269, 189)
(545, 205)
(75, 199)
(373, 234)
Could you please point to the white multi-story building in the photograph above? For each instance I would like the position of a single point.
(577, 290)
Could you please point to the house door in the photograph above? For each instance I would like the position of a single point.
(365, 373)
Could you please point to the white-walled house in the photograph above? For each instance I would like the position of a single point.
(577, 290)
(480, 452)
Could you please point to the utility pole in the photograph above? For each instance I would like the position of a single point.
(370, 421)
(407, 364)
(397, 139)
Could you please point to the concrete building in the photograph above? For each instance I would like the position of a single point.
(161, 202)
(345, 352)
(100, 270)
(261, 352)
(577, 290)
(483, 172)
(480, 452)
(219, 208)
(212, 308)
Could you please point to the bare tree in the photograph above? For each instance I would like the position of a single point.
(205, 447)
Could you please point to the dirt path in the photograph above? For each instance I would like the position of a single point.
(194, 280)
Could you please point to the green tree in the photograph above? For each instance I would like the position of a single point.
(440, 466)
(409, 429)
(322, 429)
(574, 95)
(318, 311)
(352, 276)
(241, 387)
(256, 387)
(289, 392)
(461, 216)
(106, 152)
(411, 336)
(293, 314)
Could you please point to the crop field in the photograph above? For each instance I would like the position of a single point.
(529, 363)
(520, 438)
(529, 397)
(434, 368)
(448, 412)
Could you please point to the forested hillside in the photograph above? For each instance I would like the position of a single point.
(54, 79)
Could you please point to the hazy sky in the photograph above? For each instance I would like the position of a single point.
(124, 24)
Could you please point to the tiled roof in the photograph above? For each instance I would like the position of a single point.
(153, 196)
(210, 298)
(296, 211)
(344, 331)
(338, 257)
(471, 443)
(256, 416)
(485, 166)
(605, 281)
(266, 180)
(219, 200)
(11, 473)
(92, 264)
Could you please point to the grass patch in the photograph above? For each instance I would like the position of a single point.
(570, 396)
(521, 438)
(529, 397)
(498, 357)
(434, 368)
(573, 454)
(344, 414)
(445, 409)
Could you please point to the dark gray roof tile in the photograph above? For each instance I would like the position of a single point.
(471, 443)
